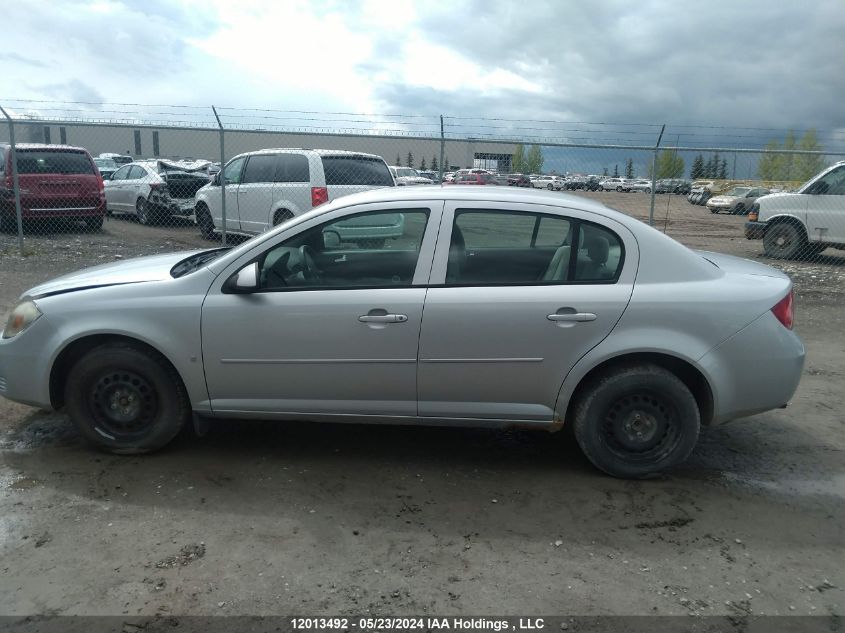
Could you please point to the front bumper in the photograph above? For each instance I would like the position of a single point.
(25, 365)
(755, 230)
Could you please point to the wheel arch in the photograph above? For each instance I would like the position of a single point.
(786, 218)
(686, 371)
(77, 348)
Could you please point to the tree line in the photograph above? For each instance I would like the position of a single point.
(432, 166)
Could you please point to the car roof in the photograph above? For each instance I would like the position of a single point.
(57, 148)
(319, 152)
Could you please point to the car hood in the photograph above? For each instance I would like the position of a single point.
(131, 271)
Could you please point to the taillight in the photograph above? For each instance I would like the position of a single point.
(319, 195)
(783, 310)
(101, 186)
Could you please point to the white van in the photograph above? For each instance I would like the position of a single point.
(802, 223)
(270, 186)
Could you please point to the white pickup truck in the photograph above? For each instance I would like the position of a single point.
(803, 223)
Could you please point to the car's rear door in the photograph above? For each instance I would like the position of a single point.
(518, 294)
(115, 190)
(255, 192)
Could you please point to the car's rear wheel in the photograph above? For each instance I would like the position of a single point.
(618, 188)
(126, 400)
(142, 211)
(549, 187)
(636, 421)
(204, 222)
(784, 241)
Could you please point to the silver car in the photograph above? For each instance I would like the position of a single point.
(497, 307)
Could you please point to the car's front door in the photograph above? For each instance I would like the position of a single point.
(826, 207)
(332, 329)
(518, 294)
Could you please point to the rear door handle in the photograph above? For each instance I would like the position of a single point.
(576, 317)
(383, 318)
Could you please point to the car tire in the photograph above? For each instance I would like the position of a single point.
(713, 210)
(126, 400)
(94, 224)
(550, 187)
(619, 189)
(784, 240)
(648, 190)
(205, 222)
(282, 215)
(142, 212)
(636, 421)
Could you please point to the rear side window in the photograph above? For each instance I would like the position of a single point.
(356, 170)
(47, 162)
(292, 168)
(260, 168)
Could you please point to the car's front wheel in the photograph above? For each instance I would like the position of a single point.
(784, 241)
(142, 211)
(125, 399)
(636, 421)
(204, 222)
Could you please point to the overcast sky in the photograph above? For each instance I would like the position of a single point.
(749, 63)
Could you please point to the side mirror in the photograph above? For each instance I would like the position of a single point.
(331, 239)
(216, 180)
(106, 176)
(244, 281)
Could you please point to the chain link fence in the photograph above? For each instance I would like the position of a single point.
(139, 179)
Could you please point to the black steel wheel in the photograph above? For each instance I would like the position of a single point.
(636, 421)
(784, 240)
(125, 399)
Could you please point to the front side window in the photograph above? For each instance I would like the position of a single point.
(831, 184)
(512, 248)
(122, 173)
(367, 250)
(232, 173)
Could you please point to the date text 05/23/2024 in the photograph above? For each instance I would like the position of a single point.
(421, 623)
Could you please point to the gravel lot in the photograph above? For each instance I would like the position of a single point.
(262, 518)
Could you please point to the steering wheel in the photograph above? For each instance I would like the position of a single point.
(310, 272)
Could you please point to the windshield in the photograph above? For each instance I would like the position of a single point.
(196, 261)
(106, 163)
(406, 173)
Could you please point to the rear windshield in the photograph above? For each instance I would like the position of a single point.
(47, 162)
(356, 170)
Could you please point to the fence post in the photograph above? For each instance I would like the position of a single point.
(442, 149)
(15, 180)
(222, 176)
(654, 176)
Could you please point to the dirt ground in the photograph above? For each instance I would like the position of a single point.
(262, 518)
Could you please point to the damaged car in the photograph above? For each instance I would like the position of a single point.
(155, 190)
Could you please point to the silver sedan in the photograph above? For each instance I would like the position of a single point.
(496, 307)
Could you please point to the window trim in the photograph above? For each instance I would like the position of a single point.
(429, 211)
(575, 222)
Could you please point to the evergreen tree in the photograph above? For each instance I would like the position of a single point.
(434, 165)
(716, 162)
(534, 160)
(518, 159)
(723, 169)
(422, 164)
(616, 170)
(710, 168)
(629, 168)
(604, 173)
(410, 160)
(697, 170)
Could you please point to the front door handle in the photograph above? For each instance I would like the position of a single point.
(570, 317)
(383, 318)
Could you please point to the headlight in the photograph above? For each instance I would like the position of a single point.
(24, 315)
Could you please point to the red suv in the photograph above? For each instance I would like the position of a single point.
(56, 181)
